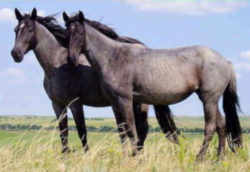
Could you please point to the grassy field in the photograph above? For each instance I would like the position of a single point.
(27, 148)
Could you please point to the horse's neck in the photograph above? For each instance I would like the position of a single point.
(49, 52)
(100, 47)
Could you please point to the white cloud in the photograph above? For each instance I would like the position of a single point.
(188, 7)
(242, 66)
(245, 54)
(8, 15)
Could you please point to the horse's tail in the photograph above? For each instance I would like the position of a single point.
(231, 106)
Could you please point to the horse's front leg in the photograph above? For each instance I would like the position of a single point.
(78, 115)
(141, 122)
(61, 114)
(123, 110)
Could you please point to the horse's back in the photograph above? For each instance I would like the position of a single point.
(171, 75)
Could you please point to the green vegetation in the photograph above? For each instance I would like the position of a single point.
(33, 144)
(185, 124)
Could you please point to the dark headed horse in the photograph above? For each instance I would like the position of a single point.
(129, 73)
(64, 83)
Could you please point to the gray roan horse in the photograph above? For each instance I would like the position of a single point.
(133, 73)
(64, 83)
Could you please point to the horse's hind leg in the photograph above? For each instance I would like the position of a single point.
(61, 114)
(78, 115)
(141, 115)
(166, 122)
(210, 105)
(221, 130)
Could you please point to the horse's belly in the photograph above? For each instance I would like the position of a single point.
(161, 99)
(160, 93)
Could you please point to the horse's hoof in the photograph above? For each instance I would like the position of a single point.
(199, 159)
(86, 148)
(220, 157)
(140, 147)
(134, 153)
(173, 137)
(66, 150)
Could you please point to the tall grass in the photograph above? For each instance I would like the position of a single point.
(41, 151)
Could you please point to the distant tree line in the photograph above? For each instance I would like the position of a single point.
(21, 127)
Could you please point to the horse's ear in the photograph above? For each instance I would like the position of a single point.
(81, 17)
(19, 16)
(34, 14)
(65, 17)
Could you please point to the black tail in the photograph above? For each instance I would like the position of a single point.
(231, 106)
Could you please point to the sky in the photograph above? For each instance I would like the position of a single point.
(223, 25)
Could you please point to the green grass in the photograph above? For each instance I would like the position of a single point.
(39, 150)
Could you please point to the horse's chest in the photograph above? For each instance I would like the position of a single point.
(60, 90)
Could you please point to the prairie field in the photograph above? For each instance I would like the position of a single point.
(32, 144)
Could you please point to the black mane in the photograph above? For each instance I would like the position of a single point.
(61, 33)
(108, 31)
(57, 30)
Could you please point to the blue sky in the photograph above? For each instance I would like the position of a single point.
(223, 25)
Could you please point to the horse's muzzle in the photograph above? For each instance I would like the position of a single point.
(17, 55)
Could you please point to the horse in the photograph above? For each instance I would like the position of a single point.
(129, 73)
(66, 85)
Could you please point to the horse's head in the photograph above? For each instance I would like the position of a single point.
(76, 30)
(25, 34)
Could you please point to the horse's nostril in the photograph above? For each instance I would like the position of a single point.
(13, 53)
